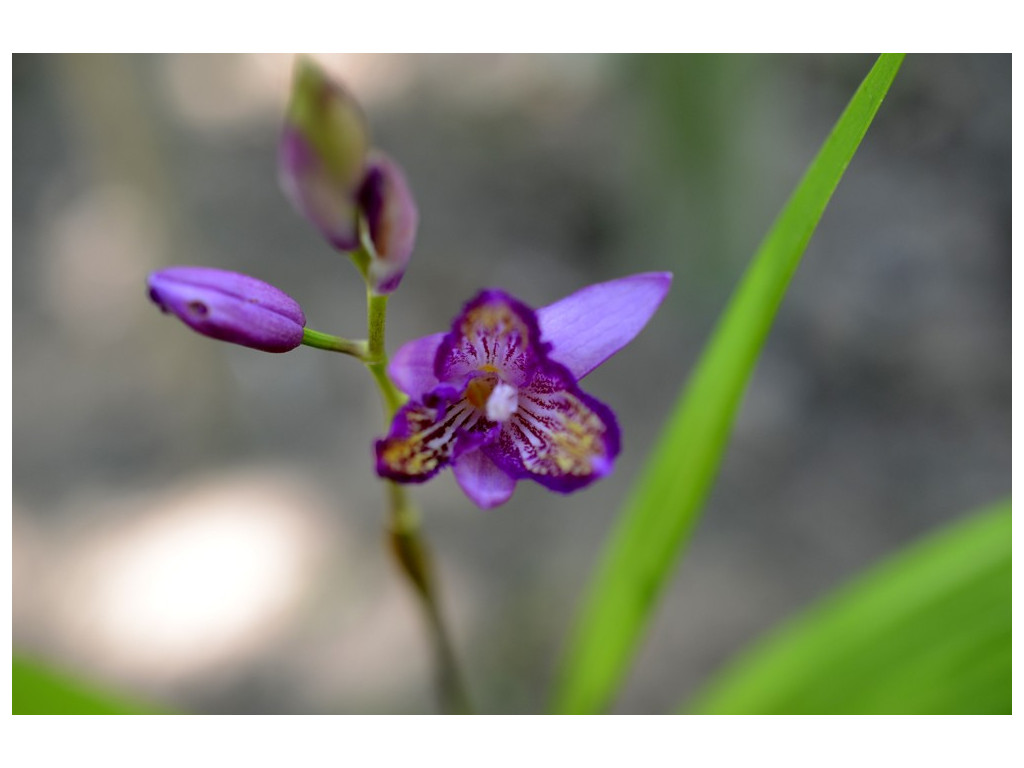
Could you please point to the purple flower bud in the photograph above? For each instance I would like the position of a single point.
(392, 218)
(229, 307)
(322, 154)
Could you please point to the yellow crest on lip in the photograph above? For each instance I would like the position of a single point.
(494, 320)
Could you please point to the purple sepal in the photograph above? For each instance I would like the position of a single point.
(392, 218)
(589, 326)
(412, 366)
(229, 306)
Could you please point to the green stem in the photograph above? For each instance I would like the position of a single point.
(321, 340)
(413, 557)
(376, 356)
(405, 538)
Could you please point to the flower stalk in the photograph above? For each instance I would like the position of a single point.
(321, 340)
(376, 357)
(404, 534)
(413, 557)
(361, 203)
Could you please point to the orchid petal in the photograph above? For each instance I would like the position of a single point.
(589, 326)
(412, 366)
(411, 453)
(494, 333)
(559, 436)
(425, 438)
(482, 481)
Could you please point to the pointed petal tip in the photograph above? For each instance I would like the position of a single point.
(663, 277)
(589, 326)
(659, 283)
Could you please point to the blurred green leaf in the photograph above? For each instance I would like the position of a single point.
(661, 513)
(926, 632)
(39, 690)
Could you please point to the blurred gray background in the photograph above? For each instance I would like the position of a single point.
(198, 524)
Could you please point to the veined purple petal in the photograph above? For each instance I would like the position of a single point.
(392, 218)
(412, 366)
(230, 307)
(494, 334)
(411, 453)
(589, 326)
(480, 478)
(423, 439)
(559, 436)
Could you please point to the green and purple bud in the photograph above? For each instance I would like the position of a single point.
(229, 307)
(346, 190)
(391, 217)
(322, 154)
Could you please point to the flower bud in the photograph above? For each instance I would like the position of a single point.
(391, 217)
(322, 154)
(229, 307)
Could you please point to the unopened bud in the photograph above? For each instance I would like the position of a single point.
(392, 219)
(322, 154)
(230, 307)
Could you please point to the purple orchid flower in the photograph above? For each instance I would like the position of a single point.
(229, 307)
(497, 397)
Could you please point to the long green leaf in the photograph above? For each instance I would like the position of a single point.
(660, 514)
(926, 632)
(38, 690)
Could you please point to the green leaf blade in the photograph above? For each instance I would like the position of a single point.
(37, 689)
(926, 632)
(660, 515)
